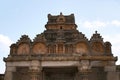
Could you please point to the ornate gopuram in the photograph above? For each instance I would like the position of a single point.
(61, 52)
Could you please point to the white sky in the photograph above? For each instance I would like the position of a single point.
(18, 17)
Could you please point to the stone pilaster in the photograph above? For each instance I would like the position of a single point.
(63, 49)
(56, 48)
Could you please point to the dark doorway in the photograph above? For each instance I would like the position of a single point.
(59, 73)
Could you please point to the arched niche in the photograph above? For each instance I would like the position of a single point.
(60, 48)
(82, 48)
(69, 48)
(51, 48)
(23, 49)
(97, 48)
(39, 48)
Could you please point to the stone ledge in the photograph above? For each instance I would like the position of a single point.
(61, 58)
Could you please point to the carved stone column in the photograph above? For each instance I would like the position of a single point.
(84, 69)
(35, 70)
(84, 75)
(35, 75)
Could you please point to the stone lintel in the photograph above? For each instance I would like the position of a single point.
(35, 65)
(59, 63)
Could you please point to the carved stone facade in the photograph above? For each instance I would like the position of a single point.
(61, 52)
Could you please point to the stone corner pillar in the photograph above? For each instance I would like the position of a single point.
(112, 74)
(9, 72)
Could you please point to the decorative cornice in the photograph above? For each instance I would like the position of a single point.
(61, 58)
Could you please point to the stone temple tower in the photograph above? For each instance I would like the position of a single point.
(61, 52)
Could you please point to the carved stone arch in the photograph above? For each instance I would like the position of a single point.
(23, 49)
(39, 48)
(97, 48)
(82, 48)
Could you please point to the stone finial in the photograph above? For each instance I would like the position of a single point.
(96, 32)
(49, 15)
(60, 13)
(96, 37)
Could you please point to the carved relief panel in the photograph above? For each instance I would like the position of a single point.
(84, 65)
(23, 49)
(97, 47)
(39, 48)
(81, 48)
